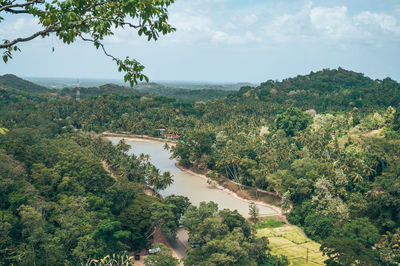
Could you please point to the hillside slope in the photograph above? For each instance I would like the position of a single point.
(10, 81)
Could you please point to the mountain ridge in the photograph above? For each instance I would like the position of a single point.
(11, 81)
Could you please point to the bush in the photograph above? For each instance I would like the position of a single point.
(318, 226)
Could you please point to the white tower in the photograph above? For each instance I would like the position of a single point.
(78, 92)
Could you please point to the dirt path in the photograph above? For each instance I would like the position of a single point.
(371, 133)
(159, 238)
(180, 244)
(107, 168)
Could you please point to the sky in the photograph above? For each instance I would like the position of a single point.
(230, 41)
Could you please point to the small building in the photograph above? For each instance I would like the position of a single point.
(154, 250)
(161, 131)
(171, 136)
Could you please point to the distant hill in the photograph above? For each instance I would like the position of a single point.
(182, 94)
(239, 85)
(106, 89)
(10, 81)
(190, 95)
(328, 89)
(203, 86)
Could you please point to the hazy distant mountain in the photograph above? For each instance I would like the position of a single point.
(239, 85)
(186, 91)
(10, 81)
(105, 89)
(61, 83)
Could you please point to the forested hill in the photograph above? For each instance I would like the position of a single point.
(333, 90)
(10, 81)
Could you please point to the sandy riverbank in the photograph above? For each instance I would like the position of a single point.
(137, 137)
(214, 183)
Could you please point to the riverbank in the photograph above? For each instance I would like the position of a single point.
(241, 195)
(134, 136)
(240, 192)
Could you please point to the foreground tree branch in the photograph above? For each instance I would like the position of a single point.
(9, 6)
(42, 33)
(92, 21)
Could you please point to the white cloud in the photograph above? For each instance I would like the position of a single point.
(250, 19)
(198, 22)
(20, 27)
(230, 26)
(332, 22)
(223, 37)
(286, 27)
(213, 21)
(186, 21)
(383, 21)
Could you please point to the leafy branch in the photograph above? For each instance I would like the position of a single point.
(92, 21)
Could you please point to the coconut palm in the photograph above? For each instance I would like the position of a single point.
(357, 178)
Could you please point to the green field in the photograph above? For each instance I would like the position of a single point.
(289, 240)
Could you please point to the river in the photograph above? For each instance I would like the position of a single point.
(186, 184)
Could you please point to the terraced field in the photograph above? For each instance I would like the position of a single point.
(289, 240)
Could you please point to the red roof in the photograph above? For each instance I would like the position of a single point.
(172, 136)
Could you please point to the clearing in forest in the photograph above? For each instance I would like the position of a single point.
(290, 240)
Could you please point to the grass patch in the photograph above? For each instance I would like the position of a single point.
(269, 223)
(290, 240)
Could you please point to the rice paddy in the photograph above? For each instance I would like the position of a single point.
(290, 240)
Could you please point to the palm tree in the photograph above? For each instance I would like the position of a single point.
(373, 194)
(3, 131)
(166, 180)
(357, 178)
(153, 176)
(144, 157)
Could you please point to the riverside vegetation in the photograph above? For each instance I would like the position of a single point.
(329, 145)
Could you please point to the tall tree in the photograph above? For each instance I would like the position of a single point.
(253, 211)
(292, 121)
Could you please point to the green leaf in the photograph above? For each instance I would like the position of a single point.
(3, 131)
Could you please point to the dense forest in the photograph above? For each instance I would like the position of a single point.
(327, 142)
(60, 206)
